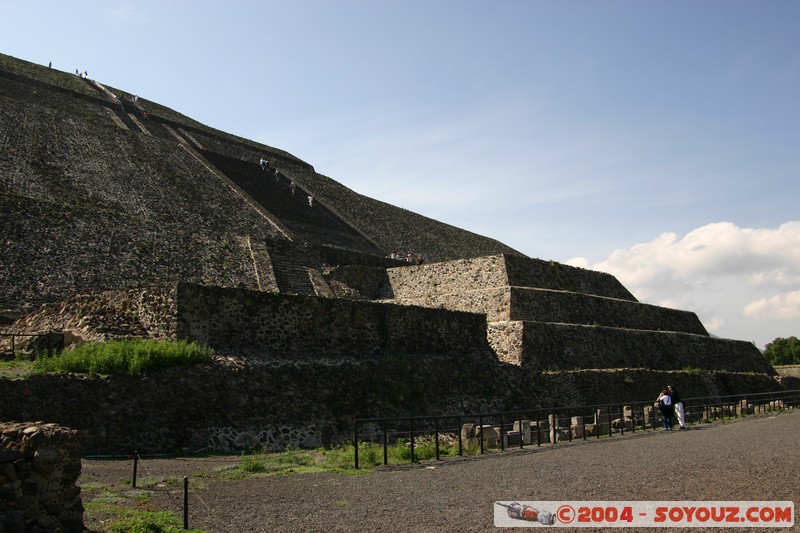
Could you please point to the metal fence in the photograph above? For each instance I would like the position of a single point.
(8, 348)
(482, 432)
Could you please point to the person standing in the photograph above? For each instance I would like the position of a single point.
(678, 405)
(666, 408)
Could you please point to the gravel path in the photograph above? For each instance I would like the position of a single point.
(755, 458)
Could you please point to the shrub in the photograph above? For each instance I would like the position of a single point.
(125, 357)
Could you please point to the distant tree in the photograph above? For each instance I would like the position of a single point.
(783, 351)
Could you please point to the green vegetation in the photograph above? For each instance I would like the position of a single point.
(16, 367)
(125, 357)
(783, 351)
(693, 370)
(290, 462)
(125, 520)
(341, 459)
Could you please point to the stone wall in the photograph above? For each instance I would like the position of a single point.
(104, 315)
(506, 270)
(576, 308)
(236, 403)
(291, 327)
(528, 272)
(358, 282)
(788, 370)
(495, 303)
(39, 468)
(565, 346)
(508, 287)
(270, 325)
(233, 404)
(506, 339)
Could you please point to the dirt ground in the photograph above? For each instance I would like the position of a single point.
(755, 458)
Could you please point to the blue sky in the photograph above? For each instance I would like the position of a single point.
(658, 141)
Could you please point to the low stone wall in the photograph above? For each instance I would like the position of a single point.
(495, 303)
(547, 305)
(436, 279)
(235, 404)
(490, 272)
(272, 325)
(574, 308)
(565, 346)
(39, 467)
(528, 272)
(788, 370)
(298, 327)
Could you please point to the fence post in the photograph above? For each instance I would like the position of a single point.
(502, 433)
(583, 425)
(385, 444)
(460, 443)
(522, 432)
(569, 425)
(436, 435)
(135, 467)
(480, 424)
(355, 444)
(185, 502)
(538, 430)
(597, 421)
(412, 440)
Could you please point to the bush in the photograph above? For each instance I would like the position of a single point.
(125, 357)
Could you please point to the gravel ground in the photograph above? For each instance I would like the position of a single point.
(755, 458)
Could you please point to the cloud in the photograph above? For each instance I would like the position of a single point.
(732, 277)
(780, 306)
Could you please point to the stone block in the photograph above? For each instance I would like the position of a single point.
(489, 434)
(512, 438)
(467, 432)
(525, 429)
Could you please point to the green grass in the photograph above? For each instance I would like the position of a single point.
(126, 520)
(16, 367)
(124, 357)
(341, 458)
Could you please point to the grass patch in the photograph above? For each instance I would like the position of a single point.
(124, 357)
(16, 367)
(124, 520)
(693, 370)
(284, 463)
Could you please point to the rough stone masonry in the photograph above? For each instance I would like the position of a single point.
(39, 468)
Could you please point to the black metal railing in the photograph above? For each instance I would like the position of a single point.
(474, 433)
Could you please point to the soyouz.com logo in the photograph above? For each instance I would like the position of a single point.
(644, 514)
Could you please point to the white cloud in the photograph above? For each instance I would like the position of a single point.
(780, 306)
(733, 278)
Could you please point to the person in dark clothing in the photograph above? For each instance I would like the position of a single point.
(666, 408)
(677, 403)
